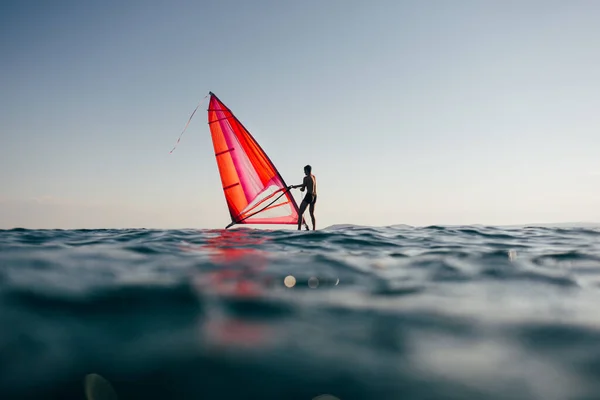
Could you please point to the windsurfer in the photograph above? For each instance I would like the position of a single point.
(310, 184)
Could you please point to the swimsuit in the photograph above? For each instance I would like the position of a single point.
(310, 198)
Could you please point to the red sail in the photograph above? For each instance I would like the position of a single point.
(255, 191)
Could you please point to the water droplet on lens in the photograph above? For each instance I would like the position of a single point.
(289, 281)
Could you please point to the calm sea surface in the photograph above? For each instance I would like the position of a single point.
(357, 313)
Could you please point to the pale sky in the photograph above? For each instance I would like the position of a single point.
(410, 112)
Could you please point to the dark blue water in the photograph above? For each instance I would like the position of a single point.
(382, 313)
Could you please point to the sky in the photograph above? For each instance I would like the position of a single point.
(410, 112)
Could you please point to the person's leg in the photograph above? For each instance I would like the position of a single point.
(300, 213)
(311, 210)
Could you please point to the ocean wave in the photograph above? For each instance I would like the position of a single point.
(354, 311)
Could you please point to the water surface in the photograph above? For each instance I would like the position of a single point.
(389, 313)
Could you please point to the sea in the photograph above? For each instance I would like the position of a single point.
(345, 312)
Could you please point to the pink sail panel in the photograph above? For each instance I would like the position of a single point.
(254, 190)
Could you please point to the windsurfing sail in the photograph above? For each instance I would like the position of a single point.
(254, 190)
